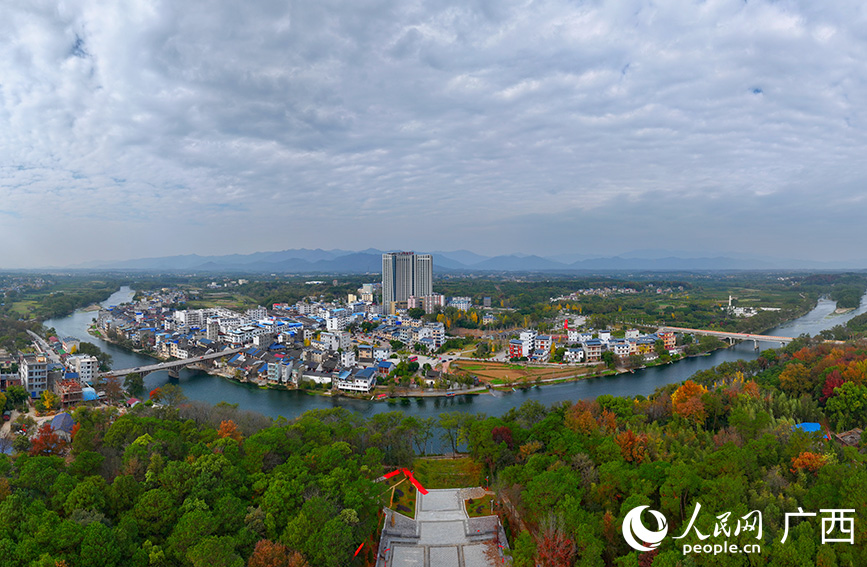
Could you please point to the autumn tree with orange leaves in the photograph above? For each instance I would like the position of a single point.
(229, 429)
(810, 462)
(795, 379)
(633, 447)
(273, 554)
(687, 403)
(554, 548)
(47, 442)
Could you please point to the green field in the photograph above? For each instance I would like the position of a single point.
(448, 473)
(24, 308)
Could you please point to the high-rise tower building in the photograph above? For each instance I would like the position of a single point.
(405, 274)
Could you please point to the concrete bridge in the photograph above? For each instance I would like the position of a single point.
(732, 337)
(173, 366)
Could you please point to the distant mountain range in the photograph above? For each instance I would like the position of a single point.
(459, 261)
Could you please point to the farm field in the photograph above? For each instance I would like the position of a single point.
(502, 373)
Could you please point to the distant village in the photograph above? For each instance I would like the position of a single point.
(346, 347)
(341, 346)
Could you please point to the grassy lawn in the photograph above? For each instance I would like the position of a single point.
(23, 308)
(222, 299)
(405, 496)
(478, 507)
(448, 473)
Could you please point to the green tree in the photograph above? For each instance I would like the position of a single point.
(172, 395)
(89, 494)
(416, 312)
(155, 512)
(99, 546)
(134, 383)
(16, 395)
(192, 528)
(215, 552)
(848, 407)
(524, 553)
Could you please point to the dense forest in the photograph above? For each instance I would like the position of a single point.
(200, 485)
(725, 440)
(45, 297)
(192, 486)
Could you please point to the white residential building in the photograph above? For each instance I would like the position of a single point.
(620, 347)
(381, 353)
(362, 381)
(336, 340)
(33, 372)
(574, 355)
(544, 343)
(85, 366)
(257, 313)
(528, 336)
(462, 303)
(337, 320)
(347, 358)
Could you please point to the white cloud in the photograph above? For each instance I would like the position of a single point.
(218, 125)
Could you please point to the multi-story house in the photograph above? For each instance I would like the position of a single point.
(544, 343)
(363, 380)
(33, 371)
(85, 366)
(574, 355)
(347, 358)
(668, 339)
(593, 350)
(620, 347)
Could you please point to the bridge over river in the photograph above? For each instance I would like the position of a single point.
(732, 336)
(173, 366)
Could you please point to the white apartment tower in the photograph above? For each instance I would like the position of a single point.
(405, 274)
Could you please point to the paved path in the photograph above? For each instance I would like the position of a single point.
(441, 536)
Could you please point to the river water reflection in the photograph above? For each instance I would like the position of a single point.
(200, 386)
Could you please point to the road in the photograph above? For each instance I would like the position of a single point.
(40, 344)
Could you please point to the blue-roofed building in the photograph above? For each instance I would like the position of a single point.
(362, 381)
(809, 427)
(384, 368)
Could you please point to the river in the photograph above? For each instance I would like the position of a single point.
(198, 385)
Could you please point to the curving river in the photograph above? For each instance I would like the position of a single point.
(198, 385)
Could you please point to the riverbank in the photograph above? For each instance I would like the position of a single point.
(289, 404)
(560, 374)
(94, 332)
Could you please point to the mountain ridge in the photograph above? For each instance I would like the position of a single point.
(306, 260)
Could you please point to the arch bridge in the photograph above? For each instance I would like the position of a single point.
(732, 337)
(173, 366)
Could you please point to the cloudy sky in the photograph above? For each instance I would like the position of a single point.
(147, 128)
